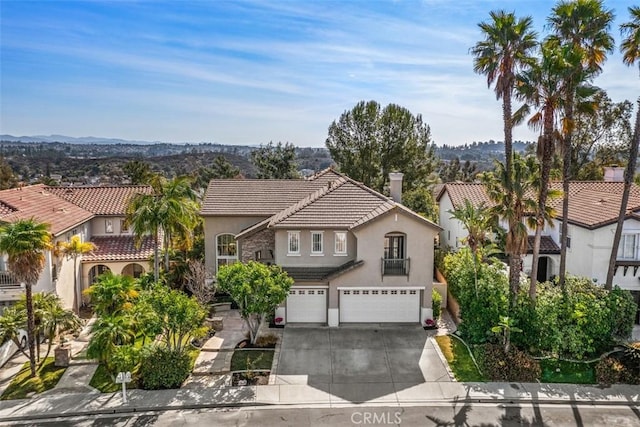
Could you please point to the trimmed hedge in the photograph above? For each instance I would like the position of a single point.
(163, 368)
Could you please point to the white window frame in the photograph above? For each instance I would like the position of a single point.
(108, 226)
(337, 251)
(229, 259)
(622, 255)
(290, 239)
(124, 227)
(321, 241)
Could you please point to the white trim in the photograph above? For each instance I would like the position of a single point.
(381, 288)
(335, 243)
(321, 252)
(289, 251)
(310, 287)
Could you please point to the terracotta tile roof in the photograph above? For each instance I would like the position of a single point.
(592, 204)
(36, 201)
(110, 200)
(120, 248)
(547, 245)
(258, 197)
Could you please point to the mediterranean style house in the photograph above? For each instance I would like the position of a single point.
(94, 214)
(593, 213)
(355, 255)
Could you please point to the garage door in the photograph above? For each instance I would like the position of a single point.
(307, 305)
(380, 305)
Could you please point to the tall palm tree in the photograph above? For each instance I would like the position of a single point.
(171, 210)
(55, 321)
(507, 48)
(542, 87)
(630, 48)
(25, 242)
(513, 210)
(584, 26)
(75, 248)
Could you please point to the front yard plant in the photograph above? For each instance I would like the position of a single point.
(459, 359)
(163, 367)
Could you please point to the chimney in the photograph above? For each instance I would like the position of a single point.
(613, 174)
(395, 186)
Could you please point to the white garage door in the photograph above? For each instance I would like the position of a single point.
(307, 305)
(380, 305)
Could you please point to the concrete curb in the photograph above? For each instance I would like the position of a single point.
(443, 359)
(163, 408)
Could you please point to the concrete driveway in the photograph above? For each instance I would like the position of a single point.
(359, 363)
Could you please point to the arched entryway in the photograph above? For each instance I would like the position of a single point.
(96, 271)
(133, 270)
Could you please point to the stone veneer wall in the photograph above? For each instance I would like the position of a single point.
(264, 241)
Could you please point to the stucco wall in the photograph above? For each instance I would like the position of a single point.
(306, 259)
(215, 225)
(64, 284)
(452, 230)
(98, 226)
(370, 246)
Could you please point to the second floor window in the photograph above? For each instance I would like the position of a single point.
(316, 242)
(341, 243)
(394, 246)
(227, 249)
(294, 243)
(627, 248)
(108, 226)
(124, 227)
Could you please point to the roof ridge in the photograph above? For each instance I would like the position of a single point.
(308, 200)
(369, 189)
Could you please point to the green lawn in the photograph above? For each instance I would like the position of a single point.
(559, 371)
(459, 359)
(262, 358)
(21, 385)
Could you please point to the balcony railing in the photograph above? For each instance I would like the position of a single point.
(395, 267)
(7, 279)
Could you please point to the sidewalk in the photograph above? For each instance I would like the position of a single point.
(209, 387)
(85, 404)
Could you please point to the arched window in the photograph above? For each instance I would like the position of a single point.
(133, 270)
(395, 262)
(226, 249)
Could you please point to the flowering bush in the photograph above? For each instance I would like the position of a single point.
(430, 323)
(278, 320)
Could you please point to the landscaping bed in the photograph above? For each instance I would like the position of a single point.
(253, 365)
(459, 359)
(560, 371)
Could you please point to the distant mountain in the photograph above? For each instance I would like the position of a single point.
(73, 140)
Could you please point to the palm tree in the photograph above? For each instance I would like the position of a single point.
(505, 327)
(75, 248)
(112, 294)
(56, 320)
(11, 321)
(507, 48)
(171, 209)
(582, 25)
(25, 242)
(542, 87)
(630, 48)
(512, 209)
(108, 333)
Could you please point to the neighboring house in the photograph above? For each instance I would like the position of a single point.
(355, 255)
(593, 213)
(95, 214)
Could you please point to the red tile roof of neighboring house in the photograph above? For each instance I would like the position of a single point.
(36, 201)
(120, 248)
(111, 200)
(592, 204)
(260, 197)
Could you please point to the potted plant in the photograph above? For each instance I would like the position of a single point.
(279, 322)
(430, 324)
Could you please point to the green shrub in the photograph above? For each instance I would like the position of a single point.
(436, 302)
(482, 302)
(162, 368)
(513, 366)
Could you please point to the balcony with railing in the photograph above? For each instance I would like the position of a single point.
(395, 267)
(10, 289)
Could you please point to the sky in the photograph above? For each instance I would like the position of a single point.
(250, 72)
